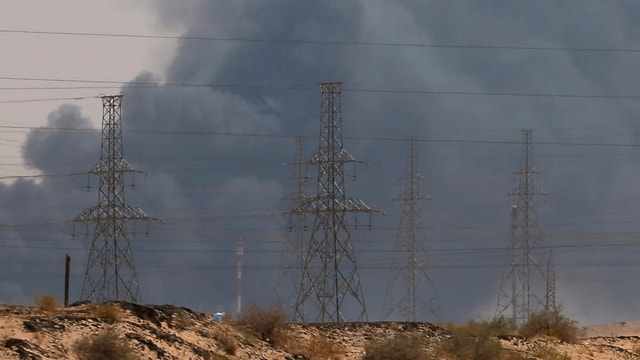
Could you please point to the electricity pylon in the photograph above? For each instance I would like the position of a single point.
(292, 256)
(550, 298)
(111, 273)
(410, 256)
(520, 288)
(330, 282)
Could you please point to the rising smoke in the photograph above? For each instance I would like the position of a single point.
(214, 155)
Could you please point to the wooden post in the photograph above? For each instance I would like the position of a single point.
(67, 261)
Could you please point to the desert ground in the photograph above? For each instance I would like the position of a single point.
(171, 332)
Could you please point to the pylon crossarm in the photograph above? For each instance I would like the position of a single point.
(322, 157)
(107, 166)
(317, 205)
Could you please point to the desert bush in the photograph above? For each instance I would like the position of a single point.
(47, 302)
(108, 311)
(550, 323)
(105, 345)
(227, 343)
(181, 320)
(317, 349)
(501, 325)
(494, 327)
(475, 339)
(400, 347)
(466, 346)
(268, 323)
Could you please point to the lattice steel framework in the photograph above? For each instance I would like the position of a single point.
(522, 278)
(110, 272)
(330, 282)
(550, 298)
(410, 260)
(292, 256)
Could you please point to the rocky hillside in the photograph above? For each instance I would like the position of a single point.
(170, 332)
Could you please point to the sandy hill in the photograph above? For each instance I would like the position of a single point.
(170, 332)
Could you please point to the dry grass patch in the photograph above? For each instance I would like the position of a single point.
(109, 311)
(550, 323)
(475, 340)
(401, 347)
(182, 320)
(227, 342)
(268, 323)
(47, 302)
(105, 345)
(495, 327)
(465, 346)
(317, 349)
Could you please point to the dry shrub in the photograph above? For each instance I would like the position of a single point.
(550, 323)
(105, 345)
(181, 320)
(268, 323)
(109, 311)
(465, 346)
(475, 339)
(501, 326)
(496, 327)
(47, 302)
(400, 347)
(317, 349)
(227, 343)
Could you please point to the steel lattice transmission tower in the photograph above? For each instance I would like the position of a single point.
(330, 282)
(111, 273)
(411, 256)
(550, 298)
(523, 277)
(292, 256)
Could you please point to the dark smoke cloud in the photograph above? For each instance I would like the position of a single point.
(70, 149)
(211, 187)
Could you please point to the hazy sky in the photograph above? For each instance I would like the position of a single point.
(463, 76)
(64, 57)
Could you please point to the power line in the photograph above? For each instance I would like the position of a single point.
(322, 42)
(365, 138)
(7, 177)
(308, 87)
(474, 251)
(75, 98)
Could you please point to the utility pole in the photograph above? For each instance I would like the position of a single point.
(411, 256)
(67, 263)
(522, 269)
(330, 281)
(111, 273)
